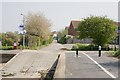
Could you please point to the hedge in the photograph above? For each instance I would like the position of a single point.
(7, 47)
(91, 47)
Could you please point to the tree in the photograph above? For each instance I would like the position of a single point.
(8, 38)
(38, 29)
(62, 33)
(62, 36)
(100, 29)
(38, 24)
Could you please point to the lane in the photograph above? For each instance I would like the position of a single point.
(107, 72)
(106, 61)
(82, 67)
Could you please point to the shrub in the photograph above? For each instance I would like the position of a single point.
(117, 54)
(45, 42)
(82, 47)
(20, 47)
(7, 47)
(91, 47)
(62, 40)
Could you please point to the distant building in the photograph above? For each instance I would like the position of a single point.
(72, 32)
(73, 25)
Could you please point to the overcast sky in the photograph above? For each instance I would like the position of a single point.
(59, 13)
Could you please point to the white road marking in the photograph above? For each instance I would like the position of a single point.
(111, 75)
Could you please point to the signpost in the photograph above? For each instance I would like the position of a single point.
(23, 31)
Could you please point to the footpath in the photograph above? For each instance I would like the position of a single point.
(31, 64)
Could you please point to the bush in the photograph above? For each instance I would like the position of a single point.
(117, 54)
(20, 47)
(50, 40)
(7, 47)
(45, 42)
(62, 40)
(81, 47)
(91, 47)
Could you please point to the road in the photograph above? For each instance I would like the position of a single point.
(86, 65)
(83, 67)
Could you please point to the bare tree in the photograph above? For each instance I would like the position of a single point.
(38, 24)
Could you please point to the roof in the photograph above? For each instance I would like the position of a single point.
(117, 23)
(75, 23)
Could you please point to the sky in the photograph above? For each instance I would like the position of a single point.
(59, 13)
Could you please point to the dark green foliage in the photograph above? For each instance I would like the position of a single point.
(7, 47)
(62, 36)
(117, 54)
(9, 38)
(100, 29)
(91, 47)
(62, 40)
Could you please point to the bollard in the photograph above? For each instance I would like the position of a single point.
(77, 52)
(108, 48)
(115, 48)
(99, 51)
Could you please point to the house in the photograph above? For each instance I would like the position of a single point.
(73, 25)
(72, 32)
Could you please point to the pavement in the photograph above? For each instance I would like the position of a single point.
(31, 63)
(6, 55)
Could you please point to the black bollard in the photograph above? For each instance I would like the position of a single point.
(99, 51)
(115, 48)
(108, 48)
(77, 52)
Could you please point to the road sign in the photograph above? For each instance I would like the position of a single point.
(21, 27)
(24, 31)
